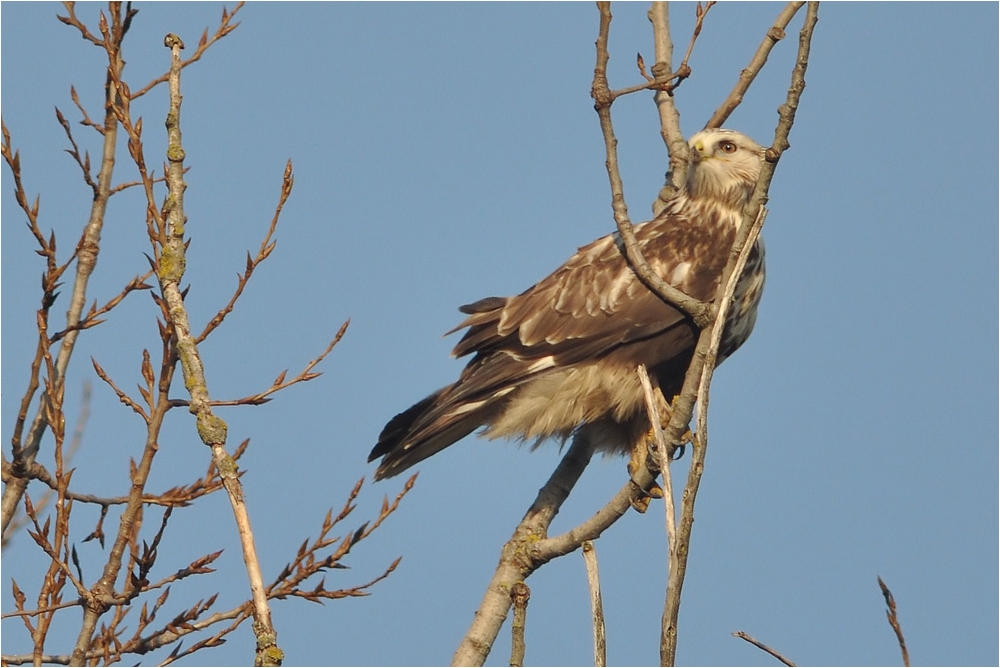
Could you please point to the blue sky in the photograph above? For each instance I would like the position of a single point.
(447, 152)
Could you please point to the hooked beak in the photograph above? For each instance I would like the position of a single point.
(698, 152)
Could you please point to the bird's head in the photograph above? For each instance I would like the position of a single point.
(724, 166)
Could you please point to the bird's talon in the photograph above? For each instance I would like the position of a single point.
(641, 504)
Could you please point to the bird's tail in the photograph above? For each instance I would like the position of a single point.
(422, 430)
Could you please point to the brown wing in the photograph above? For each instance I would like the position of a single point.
(594, 301)
(592, 307)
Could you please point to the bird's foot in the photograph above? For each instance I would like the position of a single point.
(641, 504)
(678, 449)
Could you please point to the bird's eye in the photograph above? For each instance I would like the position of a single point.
(727, 146)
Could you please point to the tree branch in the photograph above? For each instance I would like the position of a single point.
(890, 614)
(226, 26)
(603, 98)
(519, 595)
(521, 555)
(86, 256)
(773, 36)
(759, 645)
(698, 378)
(596, 605)
(678, 153)
(211, 429)
(266, 248)
(703, 367)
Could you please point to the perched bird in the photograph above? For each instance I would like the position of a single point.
(559, 360)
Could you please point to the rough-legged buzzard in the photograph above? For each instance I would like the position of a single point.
(559, 359)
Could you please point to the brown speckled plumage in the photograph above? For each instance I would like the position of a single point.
(560, 359)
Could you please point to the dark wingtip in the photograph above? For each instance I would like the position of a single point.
(391, 442)
(484, 305)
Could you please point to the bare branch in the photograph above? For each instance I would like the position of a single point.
(773, 36)
(211, 429)
(266, 247)
(132, 184)
(35, 613)
(225, 27)
(890, 614)
(520, 556)
(93, 315)
(705, 356)
(71, 20)
(85, 121)
(670, 120)
(596, 606)
(696, 310)
(519, 595)
(759, 645)
(699, 18)
(86, 259)
(83, 162)
(280, 383)
(122, 397)
(664, 451)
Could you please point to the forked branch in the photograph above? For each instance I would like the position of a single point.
(211, 429)
(698, 378)
(698, 311)
(530, 547)
(774, 35)
(226, 26)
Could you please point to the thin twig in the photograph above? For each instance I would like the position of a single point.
(758, 644)
(663, 453)
(35, 613)
(266, 248)
(225, 27)
(890, 614)
(519, 595)
(83, 162)
(86, 120)
(699, 18)
(280, 383)
(71, 20)
(596, 605)
(93, 317)
(774, 35)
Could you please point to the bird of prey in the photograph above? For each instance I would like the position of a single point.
(559, 360)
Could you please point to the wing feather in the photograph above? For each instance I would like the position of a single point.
(596, 297)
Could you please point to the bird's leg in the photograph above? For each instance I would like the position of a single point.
(641, 451)
(639, 454)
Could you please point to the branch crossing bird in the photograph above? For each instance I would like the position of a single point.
(559, 360)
